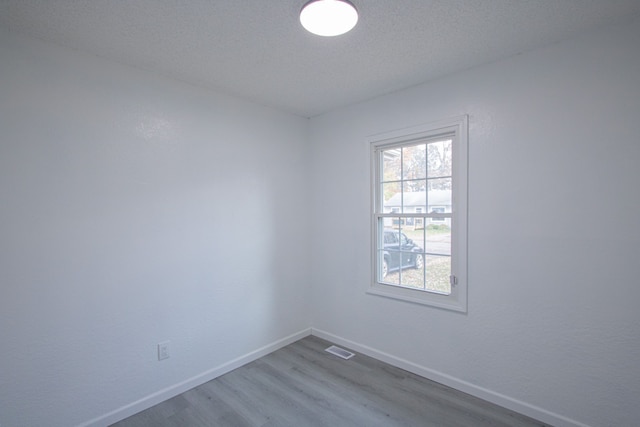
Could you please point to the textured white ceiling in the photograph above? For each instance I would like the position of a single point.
(257, 49)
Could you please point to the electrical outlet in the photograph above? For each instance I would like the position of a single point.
(163, 350)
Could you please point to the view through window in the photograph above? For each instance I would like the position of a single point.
(416, 185)
(418, 223)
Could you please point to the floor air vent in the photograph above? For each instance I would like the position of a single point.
(340, 352)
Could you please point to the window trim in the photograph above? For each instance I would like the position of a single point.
(458, 127)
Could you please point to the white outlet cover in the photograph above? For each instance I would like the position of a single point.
(163, 350)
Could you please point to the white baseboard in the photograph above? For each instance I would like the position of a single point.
(456, 383)
(176, 389)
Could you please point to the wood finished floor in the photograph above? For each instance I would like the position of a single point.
(302, 385)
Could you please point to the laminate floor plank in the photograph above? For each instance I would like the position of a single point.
(377, 389)
(357, 399)
(341, 408)
(301, 385)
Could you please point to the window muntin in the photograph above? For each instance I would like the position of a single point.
(419, 196)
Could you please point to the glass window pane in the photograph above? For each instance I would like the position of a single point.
(439, 195)
(391, 166)
(438, 239)
(439, 184)
(395, 224)
(416, 233)
(414, 196)
(438, 270)
(391, 197)
(439, 158)
(389, 261)
(419, 223)
(414, 162)
(412, 270)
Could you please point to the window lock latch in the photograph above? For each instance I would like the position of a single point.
(453, 280)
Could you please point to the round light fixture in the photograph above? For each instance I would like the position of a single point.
(328, 17)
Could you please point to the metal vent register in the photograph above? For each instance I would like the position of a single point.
(340, 352)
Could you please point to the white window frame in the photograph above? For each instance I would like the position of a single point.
(457, 128)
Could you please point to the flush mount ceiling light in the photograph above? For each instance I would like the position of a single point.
(328, 17)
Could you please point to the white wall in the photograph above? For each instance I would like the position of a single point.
(553, 326)
(135, 209)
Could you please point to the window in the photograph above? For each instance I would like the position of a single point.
(419, 222)
(438, 210)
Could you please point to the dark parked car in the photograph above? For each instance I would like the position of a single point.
(400, 252)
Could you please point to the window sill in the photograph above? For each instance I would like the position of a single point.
(444, 302)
